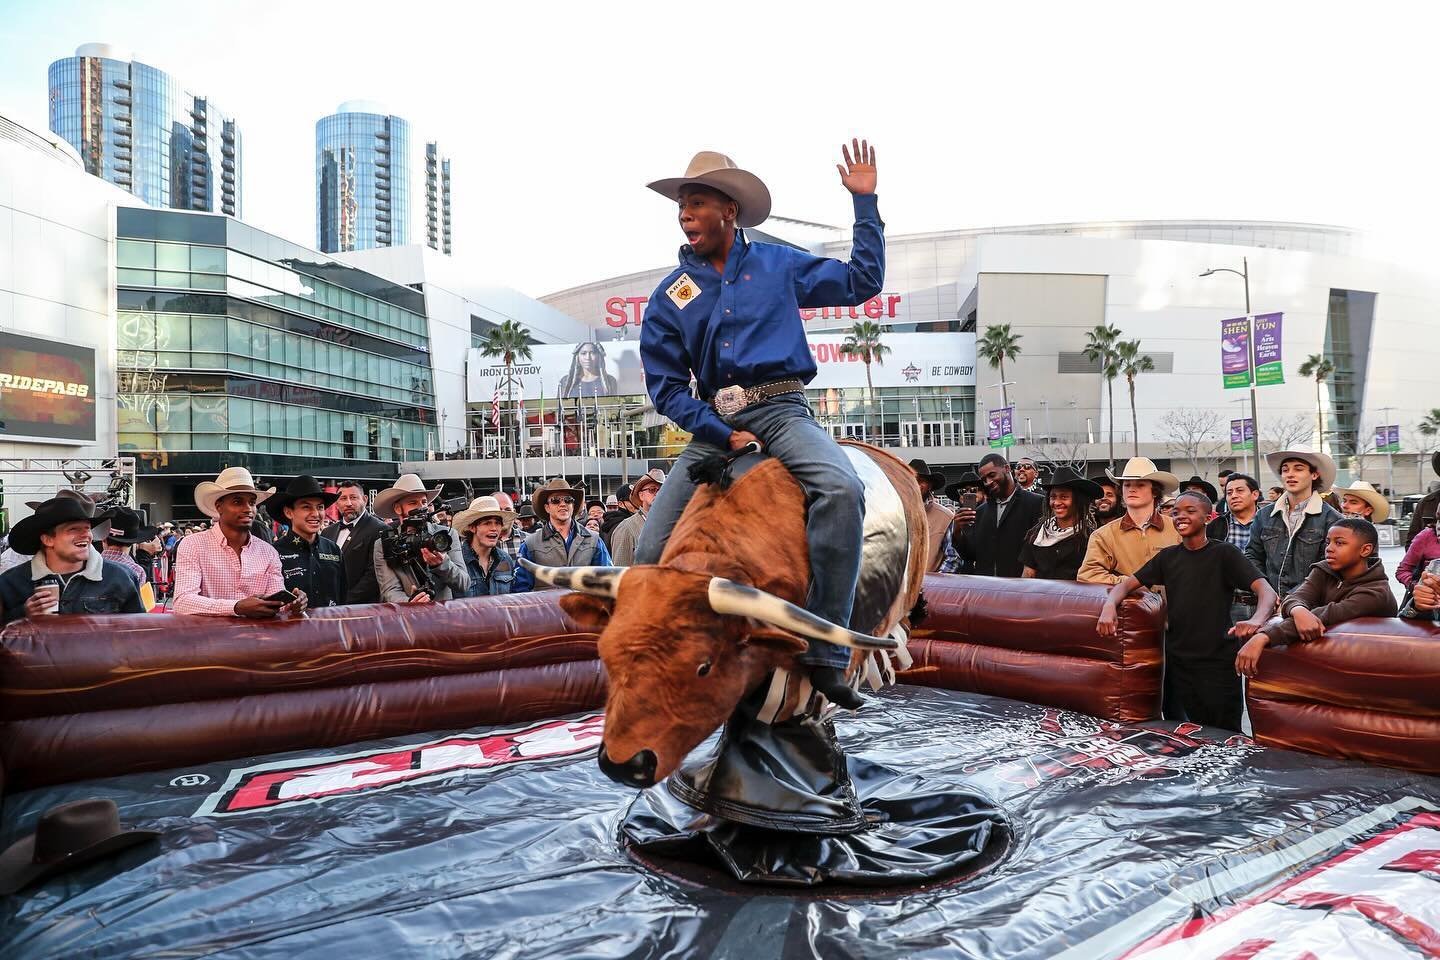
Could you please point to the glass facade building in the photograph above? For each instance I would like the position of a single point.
(136, 127)
(437, 199)
(362, 179)
(238, 348)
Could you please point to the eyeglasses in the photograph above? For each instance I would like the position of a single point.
(569, 500)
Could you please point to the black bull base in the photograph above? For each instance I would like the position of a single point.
(1153, 841)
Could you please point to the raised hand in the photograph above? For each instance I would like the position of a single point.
(857, 173)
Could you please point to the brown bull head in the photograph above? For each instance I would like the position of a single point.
(681, 650)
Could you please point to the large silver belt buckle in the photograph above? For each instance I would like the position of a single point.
(731, 400)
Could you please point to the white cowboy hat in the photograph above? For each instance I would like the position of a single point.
(231, 480)
(408, 485)
(1143, 468)
(1320, 461)
(1371, 496)
(717, 171)
(479, 509)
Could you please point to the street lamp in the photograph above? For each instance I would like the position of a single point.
(1244, 274)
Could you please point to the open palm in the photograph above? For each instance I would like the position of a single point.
(857, 173)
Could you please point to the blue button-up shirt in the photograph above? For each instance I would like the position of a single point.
(743, 327)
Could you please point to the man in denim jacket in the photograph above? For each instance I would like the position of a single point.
(58, 536)
(1289, 535)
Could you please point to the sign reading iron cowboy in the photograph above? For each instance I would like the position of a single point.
(612, 368)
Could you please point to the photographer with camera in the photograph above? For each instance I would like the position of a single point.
(417, 560)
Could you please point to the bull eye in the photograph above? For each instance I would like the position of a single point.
(704, 669)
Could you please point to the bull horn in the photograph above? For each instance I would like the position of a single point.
(596, 581)
(729, 597)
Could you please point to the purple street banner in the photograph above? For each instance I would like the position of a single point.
(1235, 352)
(1387, 439)
(1002, 433)
(1242, 435)
(1267, 349)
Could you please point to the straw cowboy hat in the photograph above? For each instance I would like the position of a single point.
(25, 535)
(479, 509)
(1371, 496)
(302, 487)
(1143, 468)
(653, 479)
(231, 480)
(718, 172)
(1320, 461)
(408, 485)
(66, 837)
(554, 485)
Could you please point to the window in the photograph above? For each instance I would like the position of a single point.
(135, 253)
(348, 437)
(172, 256)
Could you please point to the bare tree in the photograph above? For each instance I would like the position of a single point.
(1056, 452)
(1286, 432)
(1194, 434)
(1364, 446)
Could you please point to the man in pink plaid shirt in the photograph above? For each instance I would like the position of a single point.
(225, 571)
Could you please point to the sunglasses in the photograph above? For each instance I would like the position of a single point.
(570, 500)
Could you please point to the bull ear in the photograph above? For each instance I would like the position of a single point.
(589, 613)
(776, 641)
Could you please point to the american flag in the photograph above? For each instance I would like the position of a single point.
(495, 408)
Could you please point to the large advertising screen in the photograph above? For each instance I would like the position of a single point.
(47, 389)
(613, 368)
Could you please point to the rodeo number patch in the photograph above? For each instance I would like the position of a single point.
(267, 786)
(683, 291)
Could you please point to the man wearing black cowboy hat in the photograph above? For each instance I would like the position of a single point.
(125, 531)
(1426, 509)
(65, 574)
(308, 561)
(939, 518)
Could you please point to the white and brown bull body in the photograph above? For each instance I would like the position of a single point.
(683, 641)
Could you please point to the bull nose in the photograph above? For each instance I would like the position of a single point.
(638, 771)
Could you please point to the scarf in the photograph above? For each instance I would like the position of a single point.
(1051, 533)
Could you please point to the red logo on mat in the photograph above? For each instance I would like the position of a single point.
(287, 783)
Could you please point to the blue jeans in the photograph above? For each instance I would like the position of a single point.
(835, 500)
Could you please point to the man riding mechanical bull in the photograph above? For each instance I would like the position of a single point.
(730, 315)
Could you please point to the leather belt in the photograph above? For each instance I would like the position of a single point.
(729, 401)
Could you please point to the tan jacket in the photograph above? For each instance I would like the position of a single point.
(623, 540)
(939, 519)
(1120, 548)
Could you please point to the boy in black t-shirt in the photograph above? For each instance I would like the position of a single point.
(1200, 576)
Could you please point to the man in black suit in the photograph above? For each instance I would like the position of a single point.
(356, 533)
(990, 537)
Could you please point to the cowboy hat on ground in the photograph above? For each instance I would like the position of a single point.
(1206, 487)
(231, 480)
(301, 488)
(935, 478)
(1143, 468)
(479, 509)
(1321, 462)
(49, 514)
(651, 480)
(718, 172)
(1067, 479)
(1370, 495)
(126, 528)
(408, 485)
(553, 486)
(66, 837)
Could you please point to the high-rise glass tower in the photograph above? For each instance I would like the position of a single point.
(133, 125)
(362, 179)
(437, 199)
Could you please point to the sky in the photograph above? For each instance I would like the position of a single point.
(983, 114)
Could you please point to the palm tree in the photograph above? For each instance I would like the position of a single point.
(1130, 362)
(1318, 367)
(997, 346)
(509, 341)
(1100, 348)
(863, 341)
(1430, 425)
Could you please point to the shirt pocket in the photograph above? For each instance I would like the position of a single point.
(99, 605)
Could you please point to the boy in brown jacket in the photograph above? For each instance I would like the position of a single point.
(1349, 583)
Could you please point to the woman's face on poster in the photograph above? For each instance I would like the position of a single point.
(589, 359)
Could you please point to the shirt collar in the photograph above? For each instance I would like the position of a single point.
(732, 262)
(1156, 520)
(1314, 505)
(94, 566)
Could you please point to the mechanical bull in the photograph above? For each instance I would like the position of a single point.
(686, 640)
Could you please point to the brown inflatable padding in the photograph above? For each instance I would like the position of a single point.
(1389, 739)
(164, 736)
(1370, 664)
(980, 635)
(54, 666)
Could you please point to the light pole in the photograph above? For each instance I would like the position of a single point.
(1254, 474)
(1244, 274)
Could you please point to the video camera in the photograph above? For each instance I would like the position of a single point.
(403, 543)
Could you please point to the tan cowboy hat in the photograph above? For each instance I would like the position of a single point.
(554, 485)
(1320, 461)
(408, 485)
(479, 509)
(652, 479)
(231, 480)
(1143, 468)
(718, 172)
(1371, 496)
